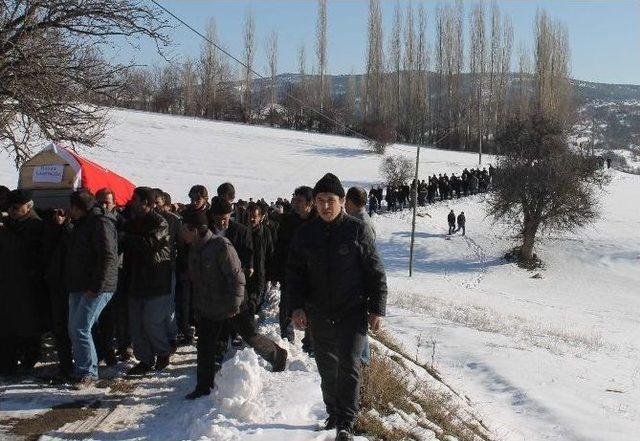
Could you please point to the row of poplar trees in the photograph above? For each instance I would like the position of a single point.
(455, 89)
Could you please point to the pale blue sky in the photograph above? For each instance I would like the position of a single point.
(604, 35)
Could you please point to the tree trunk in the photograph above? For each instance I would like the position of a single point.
(528, 239)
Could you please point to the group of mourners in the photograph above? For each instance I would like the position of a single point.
(435, 188)
(116, 283)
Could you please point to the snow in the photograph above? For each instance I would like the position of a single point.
(549, 358)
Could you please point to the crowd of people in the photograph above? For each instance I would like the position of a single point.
(113, 284)
(435, 188)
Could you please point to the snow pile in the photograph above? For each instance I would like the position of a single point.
(238, 387)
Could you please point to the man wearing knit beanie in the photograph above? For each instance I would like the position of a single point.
(337, 287)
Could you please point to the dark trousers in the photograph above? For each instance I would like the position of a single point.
(286, 331)
(243, 324)
(111, 333)
(452, 228)
(209, 332)
(60, 327)
(339, 346)
(184, 315)
(19, 354)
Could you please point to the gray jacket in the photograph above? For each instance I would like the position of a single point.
(217, 277)
(364, 217)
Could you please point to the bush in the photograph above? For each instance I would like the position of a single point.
(397, 169)
(380, 136)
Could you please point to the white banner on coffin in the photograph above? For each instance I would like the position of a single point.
(48, 173)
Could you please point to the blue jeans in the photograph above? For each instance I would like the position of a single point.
(83, 313)
(148, 318)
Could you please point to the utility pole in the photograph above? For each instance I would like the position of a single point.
(414, 197)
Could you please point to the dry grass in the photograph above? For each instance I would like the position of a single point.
(391, 389)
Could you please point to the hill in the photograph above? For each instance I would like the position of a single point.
(553, 357)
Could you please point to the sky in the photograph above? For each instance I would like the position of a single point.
(604, 35)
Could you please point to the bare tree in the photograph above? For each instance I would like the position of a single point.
(272, 61)
(375, 64)
(540, 184)
(51, 68)
(214, 75)
(249, 42)
(477, 68)
(395, 62)
(321, 52)
(189, 88)
(552, 97)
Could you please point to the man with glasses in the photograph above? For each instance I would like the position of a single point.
(22, 281)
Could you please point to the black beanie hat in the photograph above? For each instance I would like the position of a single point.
(220, 206)
(195, 218)
(329, 184)
(19, 197)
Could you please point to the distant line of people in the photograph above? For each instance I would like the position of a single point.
(435, 188)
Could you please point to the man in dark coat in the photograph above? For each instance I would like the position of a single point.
(56, 237)
(262, 257)
(147, 266)
(338, 289)
(303, 212)
(22, 282)
(461, 222)
(451, 219)
(91, 278)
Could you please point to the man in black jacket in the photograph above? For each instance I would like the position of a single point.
(147, 266)
(22, 287)
(91, 277)
(262, 256)
(451, 219)
(303, 212)
(338, 288)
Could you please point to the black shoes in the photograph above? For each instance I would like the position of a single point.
(198, 393)
(330, 423)
(344, 435)
(139, 370)
(162, 362)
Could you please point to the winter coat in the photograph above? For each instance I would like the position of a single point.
(364, 217)
(461, 220)
(288, 226)
(175, 224)
(217, 278)
(262, 257)
(451, 218)
(240, 237)
(147, 256)
(91, 260)
(334, 269)
(23, 290)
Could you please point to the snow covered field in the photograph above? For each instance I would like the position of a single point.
(549, 358)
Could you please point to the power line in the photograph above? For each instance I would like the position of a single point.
(243, 64)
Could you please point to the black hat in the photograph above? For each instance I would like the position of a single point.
(195, 218)
(329, 184)
(19, 197)
(220, 206)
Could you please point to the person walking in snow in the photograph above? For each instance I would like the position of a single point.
(262, 257)
(338, 289)
(452, 222)
(242, 324)
(148, 271)
(461, 222)
(218, 291)
(91, 277)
